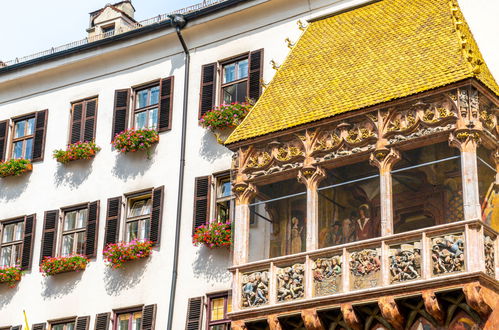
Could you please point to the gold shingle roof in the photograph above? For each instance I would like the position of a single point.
(380, 52)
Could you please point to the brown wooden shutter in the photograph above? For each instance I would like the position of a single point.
(120, 117)
(38, 326)
(255, 74)
(28, 241)
(102, 321)
(156, 214)
(148, 317)
(194, 314)
(112, 220)
(82, 323)
(88, 133)
(92, 229)
(208, 88)
(201, 201)
(4, 128)
(49, 234)
(165, 104)
(76, 123)
(40, 131)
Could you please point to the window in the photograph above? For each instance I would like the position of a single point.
(235, 81)
(83, 120)
(63, 326)
(146, 107)
(73, 233)
(11, 244)
(109, 29)
(22, 143)
(128, 321)
(218, 307)
(138, 219)
(223, 199)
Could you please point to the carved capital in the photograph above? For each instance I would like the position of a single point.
(273, 322)
(391, 313)
(238, 325)
(466, 140)
(244, 192)
(385, 158)
(432, 306)
(311, 319)
(311, 176)
(475, 299)
(350, 317)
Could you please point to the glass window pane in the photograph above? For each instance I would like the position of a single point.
(80, 243)
(18, 150)
(136, 208)
(70, 220)
(132, 230)
(17, 254)
(70, 326)
(81, 218)
(8, 233)
(19, 129)
(229, 94)
(229, 73)
(217, 309)
(141, 120)
(136, 319)
(489, 191)
(28, 151)
(224, 188)
(144, 229)
(147, 207)
(67, 244)
(153, 119)
(58, 327)
(242, 71)
(142, 98)
(154, 95)
(18, 231)
(218, 327)
(5, 257)
(30, 130)
(241, 92)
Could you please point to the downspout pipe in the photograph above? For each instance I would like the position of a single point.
(178, 21)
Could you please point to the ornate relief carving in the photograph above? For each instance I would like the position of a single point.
(447, 254)
(327, 275)
(365, 269)
(255, 289)
(290, 282)
(405, 262)
(490, 268)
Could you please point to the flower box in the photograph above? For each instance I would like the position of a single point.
(222, 120)
(10, 275)
(117, 254)
(56, 265)
(134, 140)
(76, 151)
(214, 234)
(15, 167)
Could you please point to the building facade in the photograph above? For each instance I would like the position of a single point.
(301, 219)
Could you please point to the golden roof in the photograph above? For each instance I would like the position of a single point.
(380, 52)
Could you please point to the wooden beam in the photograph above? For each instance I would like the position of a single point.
(273, 322)
(311, 319)
(391, 313)
(237, 325)
(350, 317)
(432, 306)
(475, 299)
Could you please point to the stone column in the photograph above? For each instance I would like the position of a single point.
(311, 177)
(244, 193)
(384, 159)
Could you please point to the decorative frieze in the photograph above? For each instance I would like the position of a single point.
(255, 289)
(290, 282)
(405, 262)
(327, 275)
(490, 268)
(365, 269)
(447, 254)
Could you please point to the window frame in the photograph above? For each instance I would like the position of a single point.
(130, 199)
(13, 139)
(84, 103)
(128, 310)
(135, 110)
(218, 177)
(64, 322)
(20, 242)
(229, 61)
(226, 295)
(62, 232)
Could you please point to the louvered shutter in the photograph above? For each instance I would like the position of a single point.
(38, 326)
(92, 228)
(4, 125)
(102, 321)
(148, 317)
(120, 117)
(28, 241)
(201, 201)
(82, 323)
(208, 88)
(255, 74)
(39, 139)
(156, 214)
(89, 120)
(76, 123)
(194, 314)
(112, 220)
(49, 234)
(165, 105)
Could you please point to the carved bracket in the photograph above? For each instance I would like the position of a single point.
(384, 159)
(244, 192)
(391, 313)
(351, 319)
(311, 176)
(475, 299)
(432, 306)
(311, 319)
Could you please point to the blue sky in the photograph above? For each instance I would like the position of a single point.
(30, 26)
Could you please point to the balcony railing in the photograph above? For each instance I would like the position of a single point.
(415, 257)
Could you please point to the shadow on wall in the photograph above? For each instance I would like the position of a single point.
(118, 280)
(130, 165)
(72, 174)
(212, 264)
(57, 286)
(6, 294)
(13, 187)
(211, 149)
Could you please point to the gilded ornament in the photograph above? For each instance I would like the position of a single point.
(327, 274)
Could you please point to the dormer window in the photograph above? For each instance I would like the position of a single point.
(108, 30)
